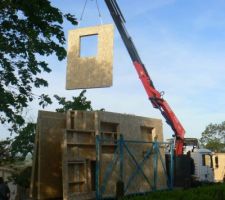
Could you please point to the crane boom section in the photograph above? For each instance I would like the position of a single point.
(154, 96)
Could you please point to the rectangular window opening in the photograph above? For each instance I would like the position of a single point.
(217, 161)
(89, 45)
(147, 133)
(207, 160)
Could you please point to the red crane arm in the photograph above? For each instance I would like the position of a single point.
(158, 102)
(154, 96)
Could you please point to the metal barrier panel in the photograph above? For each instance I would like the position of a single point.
(132, 170)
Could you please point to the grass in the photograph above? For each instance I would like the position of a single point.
(207, 192)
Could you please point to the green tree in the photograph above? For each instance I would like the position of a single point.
(23, 142)
(29, 31)
(77, 103)
(213, 137)
(17, 148)
(5, 155)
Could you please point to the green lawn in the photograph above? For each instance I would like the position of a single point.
(209, 192)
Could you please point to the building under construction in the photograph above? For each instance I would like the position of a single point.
(79, 154)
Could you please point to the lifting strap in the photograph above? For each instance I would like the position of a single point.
(83, 12)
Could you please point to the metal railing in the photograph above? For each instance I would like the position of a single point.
(124, 151)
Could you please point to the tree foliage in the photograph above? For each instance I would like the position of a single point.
(213, 137)
(17, 148)
(29, 31)
(77, 103)
(23, 143)
(5, 155)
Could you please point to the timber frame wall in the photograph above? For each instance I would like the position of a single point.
(64, 157)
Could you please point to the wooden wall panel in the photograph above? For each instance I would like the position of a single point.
(90, 72)
(48, 155)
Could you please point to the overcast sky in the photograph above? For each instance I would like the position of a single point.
(181, 43)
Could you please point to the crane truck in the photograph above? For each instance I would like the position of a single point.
(202, 158)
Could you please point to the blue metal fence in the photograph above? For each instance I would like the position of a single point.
(122, 146)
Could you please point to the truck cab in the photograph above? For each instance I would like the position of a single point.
(203, 162)
(195, 165)
(203, 165)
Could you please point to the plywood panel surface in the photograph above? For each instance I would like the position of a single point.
(90, 72)
(51, 128)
